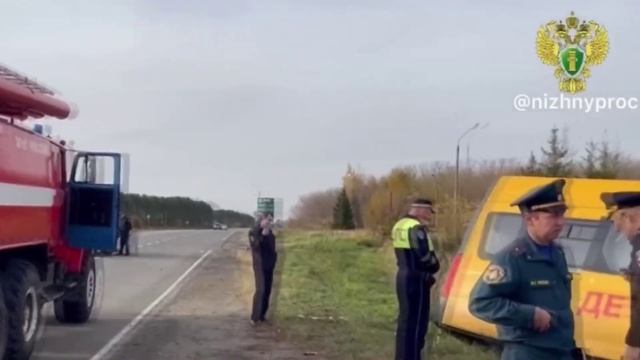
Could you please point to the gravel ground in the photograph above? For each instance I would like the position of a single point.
(208, 318)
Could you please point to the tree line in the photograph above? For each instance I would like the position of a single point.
(375, 203)
(147, 211)
(600, 160)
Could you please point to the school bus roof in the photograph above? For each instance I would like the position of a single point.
(582, 195)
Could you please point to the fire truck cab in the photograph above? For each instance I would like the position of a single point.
(56, 211)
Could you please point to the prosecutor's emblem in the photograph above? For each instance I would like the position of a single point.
(572, 47)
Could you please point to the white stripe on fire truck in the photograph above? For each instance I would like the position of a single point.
(26, 195)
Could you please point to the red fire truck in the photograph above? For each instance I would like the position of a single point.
(55, 214)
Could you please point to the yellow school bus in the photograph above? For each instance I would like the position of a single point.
(595, 252)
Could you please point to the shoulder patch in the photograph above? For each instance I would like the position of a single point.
(494, 274)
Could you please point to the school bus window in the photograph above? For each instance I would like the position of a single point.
(582, 232)
(500, 230)
(616, 250)
(576, 251)
(588, 245)
(580, 243)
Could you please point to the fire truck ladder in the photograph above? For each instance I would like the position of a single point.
(22, 97)
(23, 80)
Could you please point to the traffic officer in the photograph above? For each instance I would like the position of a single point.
(624, 209)
(526, 289)
(417, 263)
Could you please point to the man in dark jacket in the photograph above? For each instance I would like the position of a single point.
(125, 231)
(625, 214)
(526, 290)
(263, 251)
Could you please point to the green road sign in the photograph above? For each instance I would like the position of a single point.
(266, 205)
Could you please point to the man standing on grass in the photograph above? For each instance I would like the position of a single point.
(263, 251)
(417, 265)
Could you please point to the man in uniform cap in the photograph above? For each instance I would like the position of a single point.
(417, 263)
(526, 290)
(624, 209)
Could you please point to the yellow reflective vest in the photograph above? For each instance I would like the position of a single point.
(400, 233)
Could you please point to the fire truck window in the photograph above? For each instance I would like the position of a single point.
(85, 170)
(105, 168)
(91, 207)
(95, 170)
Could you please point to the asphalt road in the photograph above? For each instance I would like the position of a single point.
(130, 285)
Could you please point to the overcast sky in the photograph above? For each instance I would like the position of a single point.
(218, 100)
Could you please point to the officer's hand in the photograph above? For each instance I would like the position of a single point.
(431, 280)
(631, 353)
(541, 320)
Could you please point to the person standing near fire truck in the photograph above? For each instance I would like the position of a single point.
(125, 231)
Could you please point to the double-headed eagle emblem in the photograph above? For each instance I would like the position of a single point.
(572, 47)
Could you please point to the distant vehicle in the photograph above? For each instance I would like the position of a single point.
(595, 254)
(219, 226)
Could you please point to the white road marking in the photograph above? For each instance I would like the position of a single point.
(114, 341)
(119, 336)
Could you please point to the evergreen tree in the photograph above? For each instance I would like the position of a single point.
(342, 212)
(555, 162)
(589, 167)
(608, 162)
(601, 162)
(532, 168)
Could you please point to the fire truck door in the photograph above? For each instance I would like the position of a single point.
(94, 201)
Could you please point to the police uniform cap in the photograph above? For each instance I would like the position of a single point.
(423, 203)
(621, 200)
(543, 198)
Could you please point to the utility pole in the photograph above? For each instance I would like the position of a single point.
(457, 180)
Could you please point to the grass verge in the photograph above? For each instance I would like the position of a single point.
(336, 296)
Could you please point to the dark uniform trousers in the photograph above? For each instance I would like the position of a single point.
(124, 242)
(520, 278)
(264, 263)
(413, 291)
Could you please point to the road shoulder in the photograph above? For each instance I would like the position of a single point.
(209, 318)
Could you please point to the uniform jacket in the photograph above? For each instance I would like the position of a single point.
(519, 278)
(633, 335)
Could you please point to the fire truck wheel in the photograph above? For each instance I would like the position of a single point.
(78, 309)
(20, 285)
